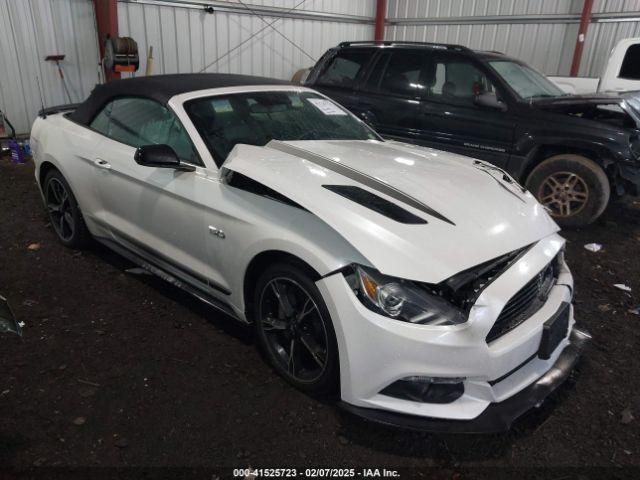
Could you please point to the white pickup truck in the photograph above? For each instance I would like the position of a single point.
(622, 72)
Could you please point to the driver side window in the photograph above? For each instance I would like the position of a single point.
(141, 121)
(458, 82)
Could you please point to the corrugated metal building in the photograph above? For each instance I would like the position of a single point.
(29, 31)
(187, 39)
(268, 37)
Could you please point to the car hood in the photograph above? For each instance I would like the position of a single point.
(629, 102)
(473, 211)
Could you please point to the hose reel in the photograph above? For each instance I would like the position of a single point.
(121, 54)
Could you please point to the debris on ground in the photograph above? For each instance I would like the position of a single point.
(34, 246)
(79, 421)
(626, 417)
(86, 392)
(635, 311)
(593, 247)
(8, 322)
(605, 307)
(623, 287)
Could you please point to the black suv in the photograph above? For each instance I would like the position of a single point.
(571, 152)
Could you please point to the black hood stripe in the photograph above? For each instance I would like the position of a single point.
(357, 176)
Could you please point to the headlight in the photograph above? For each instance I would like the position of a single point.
(403, 300)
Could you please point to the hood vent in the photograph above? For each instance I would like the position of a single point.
(357, 176)
(377, 204)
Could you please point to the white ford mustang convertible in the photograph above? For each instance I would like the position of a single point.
(425, 289)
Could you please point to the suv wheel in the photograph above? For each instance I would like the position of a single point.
(573, 188)
(294, 329)
(64, 213)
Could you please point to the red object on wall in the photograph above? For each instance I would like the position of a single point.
(582, 36)
(381, 13)
(107, 21)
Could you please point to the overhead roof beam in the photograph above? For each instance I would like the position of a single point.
(515, 19)
(267, 11)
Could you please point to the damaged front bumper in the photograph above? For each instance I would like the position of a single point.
(497, 417)
(631, 177)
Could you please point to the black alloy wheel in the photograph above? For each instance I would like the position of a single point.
(63, 211)
(295, 330)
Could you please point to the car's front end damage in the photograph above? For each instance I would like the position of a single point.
(462, 319)
(517, 344)
(615, 117)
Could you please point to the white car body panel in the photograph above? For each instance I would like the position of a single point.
(610, 80)
(172, 214)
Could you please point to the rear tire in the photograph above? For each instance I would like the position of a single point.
(294, 329)
(574, 188)
(64, 214)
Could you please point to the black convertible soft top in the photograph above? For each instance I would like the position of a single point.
(161, 88)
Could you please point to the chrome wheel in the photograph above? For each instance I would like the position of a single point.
(564, 194)
(59, 208)
(295, 331)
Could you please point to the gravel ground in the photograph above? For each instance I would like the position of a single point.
(123, 370)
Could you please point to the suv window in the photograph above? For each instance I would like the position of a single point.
(140, 121)
(344, 68)
(631, 64)
(405, 74)
(457, 81)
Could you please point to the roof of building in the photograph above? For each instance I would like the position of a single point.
(161, 88)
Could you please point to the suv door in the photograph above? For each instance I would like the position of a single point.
(154, 212)
(389, 98)
(452, 120)
(340, 75)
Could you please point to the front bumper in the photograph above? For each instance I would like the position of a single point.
(375, 351)
(631, 177)
(498, 417)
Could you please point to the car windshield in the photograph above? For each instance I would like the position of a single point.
(527, 82)
(258, 117)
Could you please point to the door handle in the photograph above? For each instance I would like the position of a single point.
(102, 164)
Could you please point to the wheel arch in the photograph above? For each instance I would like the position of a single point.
(548, 150)
(260, 262)
(45, 167)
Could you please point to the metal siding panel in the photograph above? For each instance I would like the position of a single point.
(32, 29)
(210, 37)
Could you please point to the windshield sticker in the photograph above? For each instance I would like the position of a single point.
(326, 106)
(222, 106)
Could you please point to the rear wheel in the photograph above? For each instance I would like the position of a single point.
(294, 329)
(574, 189)
(64, 214)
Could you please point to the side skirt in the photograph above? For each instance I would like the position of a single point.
(161, 269)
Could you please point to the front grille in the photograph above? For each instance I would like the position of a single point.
(527, 301)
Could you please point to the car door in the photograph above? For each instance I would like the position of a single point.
(389, 99)
(156, 212)
(452, 120)
(340, 76)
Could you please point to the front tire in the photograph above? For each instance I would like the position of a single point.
(574, 189)
(294, 329)
(64, 214)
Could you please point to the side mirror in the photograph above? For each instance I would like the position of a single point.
(160, 156)
(490, 100)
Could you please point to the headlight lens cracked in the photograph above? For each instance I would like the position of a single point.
(403, 299)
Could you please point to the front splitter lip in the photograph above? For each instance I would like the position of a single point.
(497, 417)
